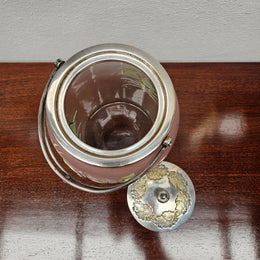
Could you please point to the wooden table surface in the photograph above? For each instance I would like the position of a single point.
(217, 145)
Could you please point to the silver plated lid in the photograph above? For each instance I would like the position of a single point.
(163, 199)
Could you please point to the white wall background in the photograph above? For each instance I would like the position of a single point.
(178, 30)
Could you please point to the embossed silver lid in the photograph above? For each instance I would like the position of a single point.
(163, 199)
(110, 158)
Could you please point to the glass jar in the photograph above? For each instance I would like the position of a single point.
(111, 112)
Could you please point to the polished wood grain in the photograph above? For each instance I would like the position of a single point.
(217, 145)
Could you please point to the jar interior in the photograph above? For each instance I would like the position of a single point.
(111, 105)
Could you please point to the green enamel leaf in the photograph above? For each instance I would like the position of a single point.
(72, 126)
(146, 82)
(127, 178)
(131, 74)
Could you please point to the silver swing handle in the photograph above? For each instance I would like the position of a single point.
(55, 165)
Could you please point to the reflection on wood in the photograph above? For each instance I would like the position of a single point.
(217, 145)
